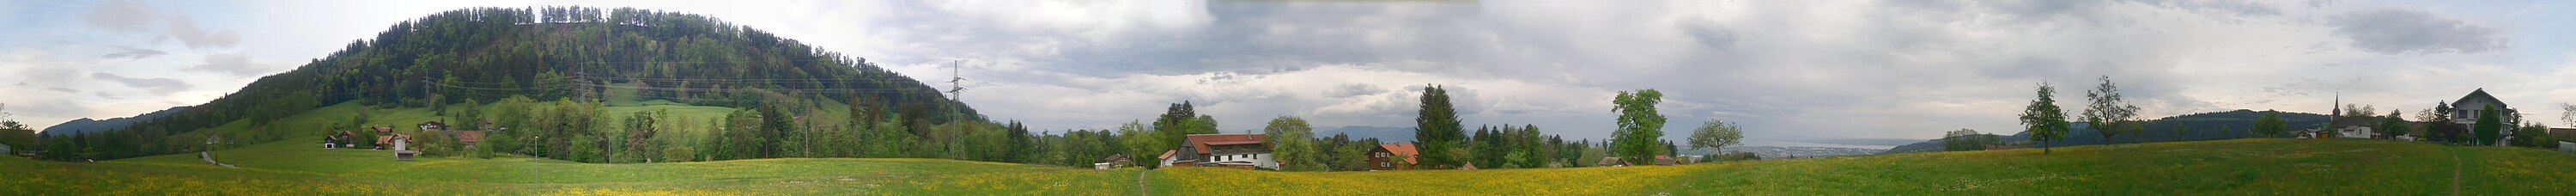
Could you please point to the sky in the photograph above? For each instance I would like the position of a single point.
(1782, 69)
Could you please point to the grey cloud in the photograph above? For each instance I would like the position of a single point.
(123, 16)
(1353, 90)
(65, 90)
(106, 95)
(2240, 8)
(2395, 31)
(1782, 66)
(133, 53)
(1710, 34)
(232, 63)
(162, 86)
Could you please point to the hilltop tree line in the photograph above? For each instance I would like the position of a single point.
(544, 54)
(2108, 115)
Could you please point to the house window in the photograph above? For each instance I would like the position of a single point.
(1382, 164)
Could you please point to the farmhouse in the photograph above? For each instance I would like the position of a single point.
(1612, 162)
(1222, 150)
(2465, 112)
(1113, 162)
(1392, 157)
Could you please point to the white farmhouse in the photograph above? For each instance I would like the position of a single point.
(1222, 150)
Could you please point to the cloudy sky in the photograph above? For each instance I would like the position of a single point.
(1784, 69)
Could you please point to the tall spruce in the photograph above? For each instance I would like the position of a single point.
(1436, 130)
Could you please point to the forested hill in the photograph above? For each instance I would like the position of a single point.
(555, 53)
(2201, 126)
(85, 125)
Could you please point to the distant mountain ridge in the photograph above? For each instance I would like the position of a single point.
(84, 125)
(1383, 134)
(2201, 126)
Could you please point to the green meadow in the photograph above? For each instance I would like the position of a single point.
(2224, 167)
(2244, 166)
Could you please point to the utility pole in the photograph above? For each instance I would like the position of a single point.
(535, 175)
(956, 74)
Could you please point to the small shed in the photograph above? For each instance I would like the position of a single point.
(4, 149)
(1663, 160)
(1469, 166)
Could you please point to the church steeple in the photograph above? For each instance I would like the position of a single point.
(2338, 107)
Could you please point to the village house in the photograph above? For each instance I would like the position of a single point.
(1392, 157)
(467, 138)
(2465, 112)
(1246, 151)
(2353, 127)
(433, 126)
(396, 141)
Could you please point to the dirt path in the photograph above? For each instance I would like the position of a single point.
(1141, 190)
(2455, 171)
(1150, 192)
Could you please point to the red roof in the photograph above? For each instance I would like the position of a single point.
(1203, 140)
(1167, 154)
(384, 129)
(389, 139)
(1406, 150)
(469, 136)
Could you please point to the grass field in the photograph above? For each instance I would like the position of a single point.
(2226, 167)
(295, 169)
(2229, 167)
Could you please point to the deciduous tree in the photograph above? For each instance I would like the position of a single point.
(1293, 140)
(1717, 134)
(2043, 119)
(1639, 125)
(2108, 113)
(2270, 125)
